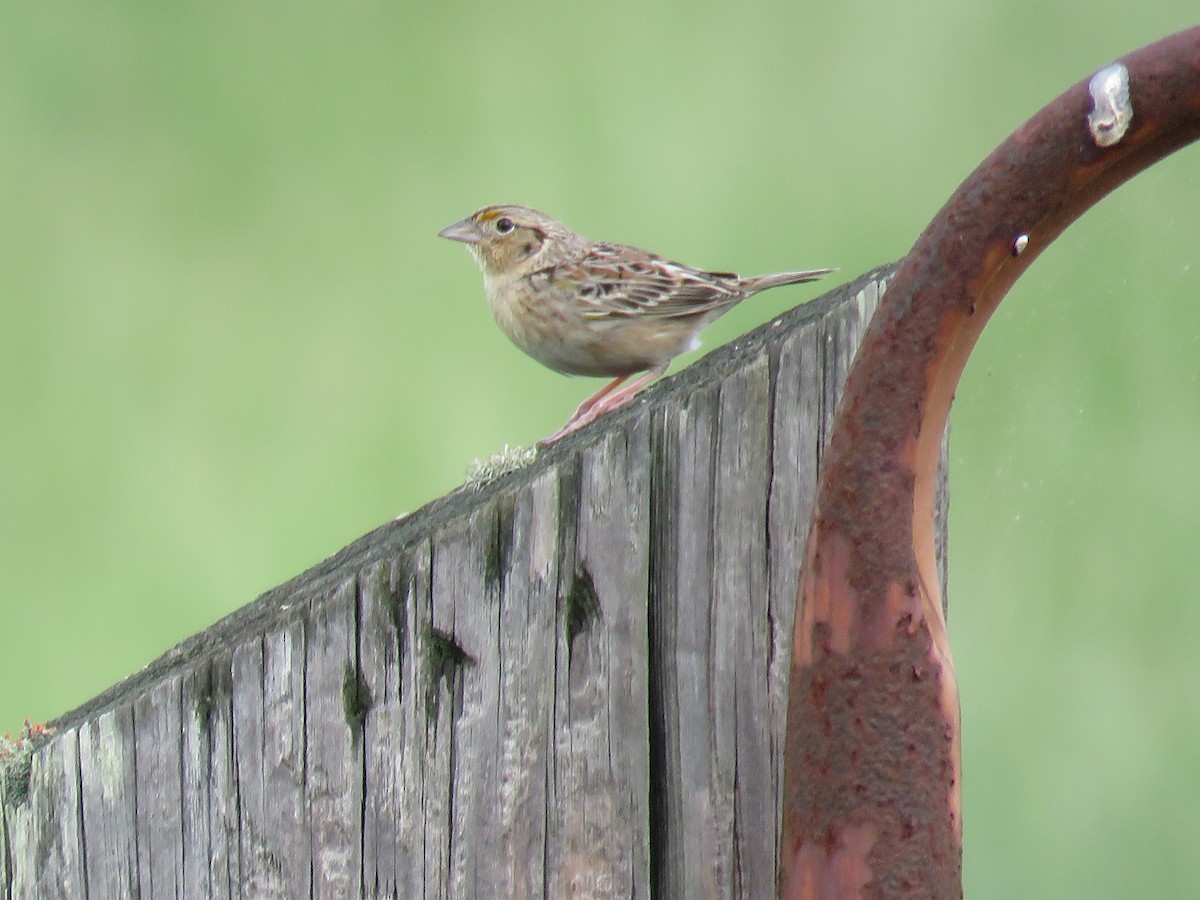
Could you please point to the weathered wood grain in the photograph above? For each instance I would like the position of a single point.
(570, 683)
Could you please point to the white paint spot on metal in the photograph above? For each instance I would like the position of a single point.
(1111, 110)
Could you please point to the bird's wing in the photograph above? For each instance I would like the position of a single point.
(620, 282)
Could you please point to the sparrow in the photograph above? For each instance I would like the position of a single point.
(584, 307)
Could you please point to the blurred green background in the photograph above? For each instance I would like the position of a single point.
(230, 341)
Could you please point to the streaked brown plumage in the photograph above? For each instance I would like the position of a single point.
(584, 307)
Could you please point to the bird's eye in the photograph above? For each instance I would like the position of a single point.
(504, 225)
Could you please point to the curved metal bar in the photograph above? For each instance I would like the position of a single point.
(871, 773)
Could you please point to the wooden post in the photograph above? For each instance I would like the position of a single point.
(568, 683)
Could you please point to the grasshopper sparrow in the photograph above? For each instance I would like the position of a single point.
(585, 307)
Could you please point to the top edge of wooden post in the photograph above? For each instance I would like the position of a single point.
(276, 605)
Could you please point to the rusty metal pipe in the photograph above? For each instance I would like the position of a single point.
(872, 779)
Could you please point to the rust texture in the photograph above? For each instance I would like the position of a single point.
(871, 773)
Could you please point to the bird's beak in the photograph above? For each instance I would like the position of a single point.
(463, 230)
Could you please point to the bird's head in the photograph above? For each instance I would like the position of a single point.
(504, 238)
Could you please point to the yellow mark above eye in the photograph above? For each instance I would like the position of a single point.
(488, 214)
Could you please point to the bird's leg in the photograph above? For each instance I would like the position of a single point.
(604, 401)
(610, 399)
(580, 417)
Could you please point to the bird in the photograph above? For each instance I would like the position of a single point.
(583, 307)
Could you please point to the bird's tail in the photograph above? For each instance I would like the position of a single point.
(756, 283)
